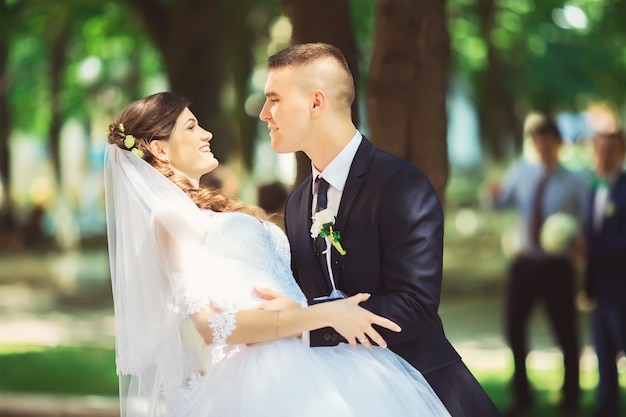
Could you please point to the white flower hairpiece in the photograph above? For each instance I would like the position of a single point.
(129, 142)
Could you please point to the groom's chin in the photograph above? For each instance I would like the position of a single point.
(276, 146)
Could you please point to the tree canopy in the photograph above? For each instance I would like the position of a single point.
(72, 59)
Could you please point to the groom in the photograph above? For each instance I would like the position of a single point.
(387, 213)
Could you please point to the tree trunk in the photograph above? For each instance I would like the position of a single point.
(206, 48)
(5, 114)
(189, 34)
(499, 127)
(59, 36)
(408, 83)
(192, 59)
(327, 21)
(239, 64)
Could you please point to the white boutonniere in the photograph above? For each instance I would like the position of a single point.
(323, 223)
(609, 209)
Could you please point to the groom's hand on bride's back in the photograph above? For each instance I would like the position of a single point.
(355, 323)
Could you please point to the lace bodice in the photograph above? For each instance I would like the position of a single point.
(241, 252)
(237, 253)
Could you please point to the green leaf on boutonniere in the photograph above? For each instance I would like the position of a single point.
(323, 223)
(609, 209)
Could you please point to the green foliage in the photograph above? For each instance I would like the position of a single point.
(363, 21)
(540, 64)
(102, 31)
(546, 385)
(29, 85)
(551, 66)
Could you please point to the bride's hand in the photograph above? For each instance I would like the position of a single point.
(355, 323)
(275, 300)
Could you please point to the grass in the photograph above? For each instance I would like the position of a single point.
(58, 370)
(546, 385)
(67, 370)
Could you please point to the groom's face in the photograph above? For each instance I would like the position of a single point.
(287, 110)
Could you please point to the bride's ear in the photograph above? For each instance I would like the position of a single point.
(158, 150)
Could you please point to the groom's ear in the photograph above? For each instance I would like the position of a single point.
(318, 100)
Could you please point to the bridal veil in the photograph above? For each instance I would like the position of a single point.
(158, 351)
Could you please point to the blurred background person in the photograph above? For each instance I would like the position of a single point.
(605, 283)
(10, 234)
(272, 197)
(537, 191)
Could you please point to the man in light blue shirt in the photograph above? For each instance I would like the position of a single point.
(538, 190)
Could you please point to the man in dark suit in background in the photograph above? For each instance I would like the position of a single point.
(389, 218)
(605, 284)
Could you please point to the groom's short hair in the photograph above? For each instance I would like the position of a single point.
(308, 54)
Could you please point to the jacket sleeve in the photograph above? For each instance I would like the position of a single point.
(411, 250)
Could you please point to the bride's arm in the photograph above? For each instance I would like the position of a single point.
(255, 326)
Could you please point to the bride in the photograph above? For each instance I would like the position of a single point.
(208, 316)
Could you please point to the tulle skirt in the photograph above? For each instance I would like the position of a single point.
(288, 379)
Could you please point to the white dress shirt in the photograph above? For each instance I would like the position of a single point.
(336, 174)
(599, 206)
(600, 201)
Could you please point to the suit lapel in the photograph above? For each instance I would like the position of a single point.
(616, 188)
(301, 234)
(590, 213)
(605, 223)
(617, 184)
(359, 167)
(305, 213)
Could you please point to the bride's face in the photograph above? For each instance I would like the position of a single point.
(189, 149)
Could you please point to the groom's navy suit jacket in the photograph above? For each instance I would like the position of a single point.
(606, 254)
(391, 224)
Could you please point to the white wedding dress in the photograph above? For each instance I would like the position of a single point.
(286, 378)
(216, 258)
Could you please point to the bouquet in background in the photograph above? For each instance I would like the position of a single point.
(558, 233)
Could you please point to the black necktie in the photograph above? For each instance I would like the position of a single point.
(537, 214)
(321, 186)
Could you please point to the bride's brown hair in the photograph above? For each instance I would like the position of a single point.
(153, 118)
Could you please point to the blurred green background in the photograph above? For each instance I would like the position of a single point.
(68, 67)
